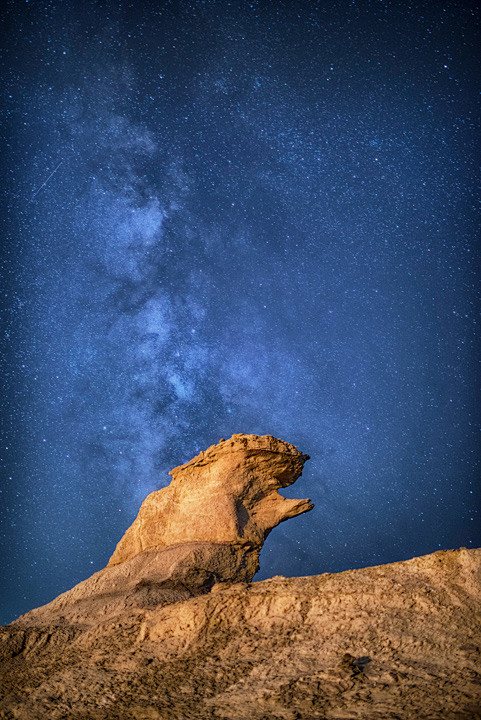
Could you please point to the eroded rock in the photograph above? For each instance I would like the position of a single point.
(394, 641)
(227, 494)
(172, 629)
(208, 526)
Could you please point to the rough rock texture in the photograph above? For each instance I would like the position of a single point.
(158, 637)
(227, 494)
(395, 641)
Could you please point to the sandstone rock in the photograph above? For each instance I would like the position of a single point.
(398, 641)
(172, 629)
(207, 526)
(227, 494)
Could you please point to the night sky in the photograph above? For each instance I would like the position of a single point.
(227, 217)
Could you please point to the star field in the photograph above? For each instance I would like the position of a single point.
(224, 217)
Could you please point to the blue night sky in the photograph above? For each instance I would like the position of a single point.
(230, 217)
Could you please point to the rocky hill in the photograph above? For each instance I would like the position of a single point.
(174, 628)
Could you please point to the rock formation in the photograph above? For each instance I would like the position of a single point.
(173, 629)
(226, 495)
(207, 526)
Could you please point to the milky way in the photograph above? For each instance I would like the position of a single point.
(249, 217)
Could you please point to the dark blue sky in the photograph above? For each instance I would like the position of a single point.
(230, 217)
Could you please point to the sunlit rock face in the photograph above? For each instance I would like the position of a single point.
(227, 494)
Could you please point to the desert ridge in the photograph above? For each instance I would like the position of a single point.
(174, 627)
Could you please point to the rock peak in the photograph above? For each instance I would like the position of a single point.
(240, 441)
(227, 494)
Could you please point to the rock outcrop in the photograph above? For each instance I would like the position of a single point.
(207, 526)
(167, 632)
(227, 494)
